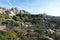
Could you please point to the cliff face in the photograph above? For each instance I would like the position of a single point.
(12, 11)
(2, 10)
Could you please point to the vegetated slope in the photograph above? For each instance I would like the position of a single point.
(25, 26)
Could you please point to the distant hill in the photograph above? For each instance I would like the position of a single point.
(37, 20)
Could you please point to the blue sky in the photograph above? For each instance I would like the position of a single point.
(50, 7)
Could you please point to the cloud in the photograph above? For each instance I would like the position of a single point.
(9, 2)
(52, 9)
(5, 3)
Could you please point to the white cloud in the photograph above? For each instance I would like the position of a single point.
(9, 2)
(53, 9)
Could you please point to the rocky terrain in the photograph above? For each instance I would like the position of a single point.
(18, 24)
(12, 11)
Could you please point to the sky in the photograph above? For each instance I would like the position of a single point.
(50, 7)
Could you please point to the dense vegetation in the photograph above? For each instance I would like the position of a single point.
(28, 26)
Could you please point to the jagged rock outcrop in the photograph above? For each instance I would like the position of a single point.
(12, 11)
(2, 10)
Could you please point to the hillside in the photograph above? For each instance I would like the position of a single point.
(21, 25)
